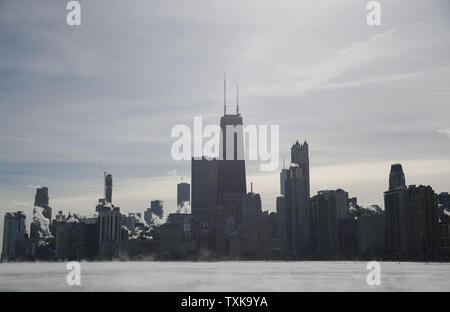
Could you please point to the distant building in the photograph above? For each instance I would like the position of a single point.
(353, 202)
(183, 193)
(76, 239)
(324, 226)
(204, 174)
(300, 156)
(183, 221)
(348, 238)
(109, 227)
(283, 175)
(297, 213)
(397, 216)
(411, 216)
(108, 187)
(444, 200)
(423, 208)
(340, 202)
(14, 229)
(131, 221)
(370, 229)
(396, 177)
(41, 199)
(333, 234)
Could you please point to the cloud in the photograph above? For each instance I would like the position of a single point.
(445, 131)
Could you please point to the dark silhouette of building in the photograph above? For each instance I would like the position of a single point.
(232, 185)
(324, 226)
(283, 175)
(333, 233)
(396, 177)
(204, 175)
(412, 229)
(108, 187)
(348, 238)
(14, 229)
(157, 208)
(300, 156)
(297, 213)
(183, 193)
(444, 200)
(423, 208)
(371, 241)
(397, 216)
(109, 227)
(42, 200)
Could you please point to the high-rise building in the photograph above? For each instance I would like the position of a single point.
(324, 226)
(370, 229)
(231, 185)
(396, 177)
(444, 200)
(397, 216)
(204, 174)
(14, 228)
(108, 187)
(281, 215)
(283, 175)
(41, 199)
(297, 213)
(183, 193)
(251, 216)
(423, 207)
(330, 222)
(340, 202)
(353, 202)
(300, 156)
(411, 216)
(109, 227)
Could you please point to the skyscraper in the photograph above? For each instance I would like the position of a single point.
(423, 206)
(183, 193)
(300, 156)
(231, 175)
(397, 216)
(13, 230)
(283, 175)
(297, 213)
(108, 187)
(204, 174)
(396, 177)
(231, 186)
(329, 211)
(41, 199)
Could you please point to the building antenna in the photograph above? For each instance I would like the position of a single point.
(237, 99)
(284, 162)
(224, 95)
(251, 187)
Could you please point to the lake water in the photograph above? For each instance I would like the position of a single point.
(225, 276)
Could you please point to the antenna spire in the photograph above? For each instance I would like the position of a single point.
(251, 187)
(237, 99)
(224, 95)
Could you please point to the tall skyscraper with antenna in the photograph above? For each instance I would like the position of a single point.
(231, 175)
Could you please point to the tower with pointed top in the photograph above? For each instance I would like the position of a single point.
(300, 156)
(232, 185)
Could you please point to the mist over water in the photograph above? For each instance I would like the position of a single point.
(225, 276)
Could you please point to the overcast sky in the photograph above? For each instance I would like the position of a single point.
(109, 91)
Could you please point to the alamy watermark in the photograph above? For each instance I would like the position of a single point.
(73, 17)
(374, 276)
(73, 278)
(228, 143)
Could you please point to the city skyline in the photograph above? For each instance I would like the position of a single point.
(362, 97)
